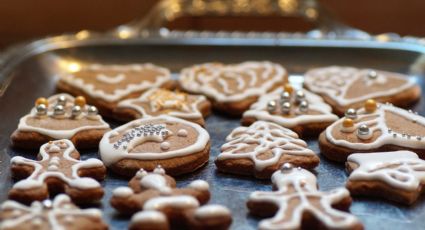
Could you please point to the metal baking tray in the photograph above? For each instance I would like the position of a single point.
(28, 71)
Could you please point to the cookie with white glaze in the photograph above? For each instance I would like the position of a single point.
(105, 85)
(178, 145)
(299, 110)
(261, 149)
(60, 116)
(58, 170)
(374, 128)
(159, 204)
(400, 175)
(59, 213)
(233, 88)
(159, 101)
(348, 87)
(296, 203)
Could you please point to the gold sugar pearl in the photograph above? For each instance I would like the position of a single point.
(80, 101)
(348, 123)
(288, 88)
(370, 106)
(41, 100)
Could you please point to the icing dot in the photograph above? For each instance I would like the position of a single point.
(199, 185)
(53, 149)
(182, 133)
(141, 173)
(159, 170)
(123, 192)
(165, 145)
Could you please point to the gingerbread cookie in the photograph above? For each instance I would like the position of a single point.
(59, 170)
(299, 110)
(178, 145)
(261, 149)
(163, 206)
(162, 101)
(106, 85)
(60, 213)
(233, 88)
(297, 204)
(60, 117)
(400, 175)
(348, 87)
(374, 128)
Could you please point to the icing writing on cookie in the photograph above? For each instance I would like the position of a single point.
(227, 83)
(167, 102)
(57, 162)
(337, 83)
(379, 127)
(114, 82)
(399, 169)
(296, 194)
(291, 109)
(149, 130)
(58, 214)
(265, 137)
(49, 116)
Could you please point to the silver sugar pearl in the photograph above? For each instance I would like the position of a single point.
(286, 168)
(76, 111)
(363, 130)
(286, 108)
(372, 74)
(58, 110)
(394, 135)
(418, 138)
(303, 106)
(61, 100)
(92, 110)
(47, 204)
(41, 109)
(285, 96)
(351, 113)
(271, 106)
(299, 96)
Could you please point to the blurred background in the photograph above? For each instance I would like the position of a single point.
(22, 19)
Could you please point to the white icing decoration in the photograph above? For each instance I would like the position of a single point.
(149, 216)
(305, 186)
(266, 136)
(399, 169)
(110, 80)
(123, 192)
(90, 89)
(40, 174)
(212, 210)
(182, 133)
(165, 145)
(245, 74)
(157, 181)
(341, 79)
(111, 155)
(259, 110)
(59, 134)
(181, 202)
(38, 215)
(199, 185)
(378, 123)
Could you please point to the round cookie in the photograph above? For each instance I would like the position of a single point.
(106, 85)
(178, 145)
(348, 87)
(159, 101)
(233, 88)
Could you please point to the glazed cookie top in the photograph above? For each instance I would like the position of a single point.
(59, 214)
(400, 169)
(162, 101)
(263, 143)
(161, 137)
(235, 82)
(377, 125)
(348, 85)
(289, 108)
(114, 82)
(61, 116)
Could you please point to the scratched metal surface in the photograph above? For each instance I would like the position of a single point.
(35, 77)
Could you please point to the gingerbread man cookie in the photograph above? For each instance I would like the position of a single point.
(297, 204)
(233, 88)
(400, 175)
(60, 117)
(178, 145)
(59, 214)
(160, 205)
(374, 128)
(106, 85)
(299, 110)
(261, 149)
(162, 101)
(59, 170)
(348, 87)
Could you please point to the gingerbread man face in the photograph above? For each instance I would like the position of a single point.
(60, 116)
(59, 214)
(400, 175)
(59, 170)
(296, 194)
(162, 101)
(155, 195)
(267, 146)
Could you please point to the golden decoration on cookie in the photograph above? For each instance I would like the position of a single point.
(288, 88)
(348, 123)
(162, 98)
(370, 105)
(41, 100)
(80, 101)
